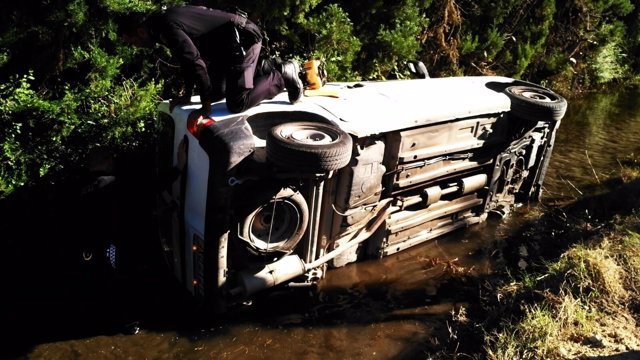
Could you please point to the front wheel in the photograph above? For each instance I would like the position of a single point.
(309, 146)
(532, 103)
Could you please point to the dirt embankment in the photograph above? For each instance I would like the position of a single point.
(569, 287)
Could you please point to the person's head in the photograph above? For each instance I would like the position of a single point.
(133, 30)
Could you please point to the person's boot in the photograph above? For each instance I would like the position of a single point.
(290, 71)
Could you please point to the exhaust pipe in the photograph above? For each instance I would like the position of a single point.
(285, 269)
(291, 266)
(465, 186)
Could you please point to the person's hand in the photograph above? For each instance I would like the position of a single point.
(206, 101)
(183, 100)
(199, 113)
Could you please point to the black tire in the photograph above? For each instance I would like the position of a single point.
(308, 146)
(533, 103)
(275, 224)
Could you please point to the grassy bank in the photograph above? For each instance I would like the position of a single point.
(580, 305)
(569, 287)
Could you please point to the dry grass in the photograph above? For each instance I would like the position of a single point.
(583, 304)
(591, 273)
(542, 331)
(587, 284)
(629, 168)
(627, 250)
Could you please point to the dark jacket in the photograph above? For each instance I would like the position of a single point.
(203, 39)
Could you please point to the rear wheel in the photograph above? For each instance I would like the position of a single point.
(532, 103)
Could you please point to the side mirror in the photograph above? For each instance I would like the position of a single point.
(417, 69)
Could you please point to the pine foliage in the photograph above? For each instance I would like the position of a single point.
(67, 84)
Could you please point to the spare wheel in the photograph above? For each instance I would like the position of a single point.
(276, 224)
(308, 146)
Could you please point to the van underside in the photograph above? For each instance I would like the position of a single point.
(285, 196)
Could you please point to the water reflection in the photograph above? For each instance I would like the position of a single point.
(375, 341)
(597, 133)
(396, 308)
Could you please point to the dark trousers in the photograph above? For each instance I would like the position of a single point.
(237, 82)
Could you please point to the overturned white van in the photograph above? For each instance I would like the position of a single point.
(282, 193)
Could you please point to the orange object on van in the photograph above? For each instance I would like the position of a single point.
(316, 75)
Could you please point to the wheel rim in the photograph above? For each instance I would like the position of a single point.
(274, 224)
(535, 95)
(309, 135)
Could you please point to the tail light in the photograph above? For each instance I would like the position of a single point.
(196, 122)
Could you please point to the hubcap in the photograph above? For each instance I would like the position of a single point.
(309, 135)
(534, 95)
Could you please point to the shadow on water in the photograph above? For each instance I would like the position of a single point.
(64, 299)
(59, 281)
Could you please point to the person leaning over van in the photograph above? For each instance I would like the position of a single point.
(218, 52)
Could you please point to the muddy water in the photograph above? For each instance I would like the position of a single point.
(599, 133)
(396, 308)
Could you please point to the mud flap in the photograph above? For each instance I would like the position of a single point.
(228, 142)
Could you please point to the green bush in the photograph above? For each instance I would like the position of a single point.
(52, 116)
(68, 84)
(334, 42)
(399, 39)
(42, 135)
